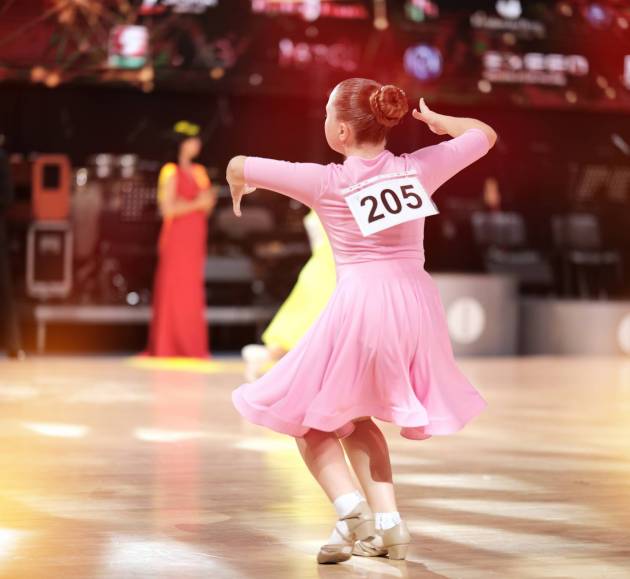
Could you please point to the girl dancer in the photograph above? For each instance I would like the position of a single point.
(178, 327)
(380, 348)
(306, 301)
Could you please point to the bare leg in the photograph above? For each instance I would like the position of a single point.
(367, 450)
(324, 457)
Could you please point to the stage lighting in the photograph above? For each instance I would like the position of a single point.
(217, 72)
(38, 74)
(133, 298)
(484, 86)
(423, 61)
(312, 10)
(420, 10)
(146, 74)
(565, 9)
(598, 15)
(380, 15)
(53, 79)
(255, 79)
(510, 9)
(620, 143)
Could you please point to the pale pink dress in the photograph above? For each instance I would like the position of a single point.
(381, 347)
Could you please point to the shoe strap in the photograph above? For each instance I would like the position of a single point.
(346, 537)
(356, 515)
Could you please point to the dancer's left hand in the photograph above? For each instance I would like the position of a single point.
(235, 176)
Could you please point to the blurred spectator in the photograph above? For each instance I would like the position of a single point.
(185, 197)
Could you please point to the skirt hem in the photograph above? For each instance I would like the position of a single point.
(414, 425)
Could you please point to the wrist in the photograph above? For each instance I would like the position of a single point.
(449, 124)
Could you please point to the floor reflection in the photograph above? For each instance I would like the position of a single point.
(114, 469)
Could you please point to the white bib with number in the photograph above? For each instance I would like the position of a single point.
(387, 200)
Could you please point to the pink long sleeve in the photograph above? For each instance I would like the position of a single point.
(437, 164)
(300, 181)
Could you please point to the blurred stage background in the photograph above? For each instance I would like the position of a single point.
(531, 250)
(119, 466)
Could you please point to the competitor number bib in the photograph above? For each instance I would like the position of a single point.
(387, 200)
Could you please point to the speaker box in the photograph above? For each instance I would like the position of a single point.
(51, 188)
(49, 260)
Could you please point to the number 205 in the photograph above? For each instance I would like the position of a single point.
(391, 202)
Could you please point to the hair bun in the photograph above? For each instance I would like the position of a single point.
(389, 105)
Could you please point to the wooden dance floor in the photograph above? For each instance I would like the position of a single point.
(119, 468)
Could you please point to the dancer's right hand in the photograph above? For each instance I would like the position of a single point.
(453, 126)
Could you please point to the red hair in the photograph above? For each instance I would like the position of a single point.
(369, 107)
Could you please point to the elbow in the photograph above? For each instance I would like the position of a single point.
(492, 136)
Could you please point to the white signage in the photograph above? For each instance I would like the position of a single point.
(388, 200)
(311, 10)
(533, 67)
(181, 6)
(523, 27)
(341, 55)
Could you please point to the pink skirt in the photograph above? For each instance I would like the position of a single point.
(380, 348)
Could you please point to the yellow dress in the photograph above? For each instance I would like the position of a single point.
(310, 295)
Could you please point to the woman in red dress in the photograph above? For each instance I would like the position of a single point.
(178, 327)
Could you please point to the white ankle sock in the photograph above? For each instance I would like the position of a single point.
(344, 505)
(386, 521)
(255, 356)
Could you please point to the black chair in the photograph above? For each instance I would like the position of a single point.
(583, 257)
(230, 280)
(255, 221)
(502, 239)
